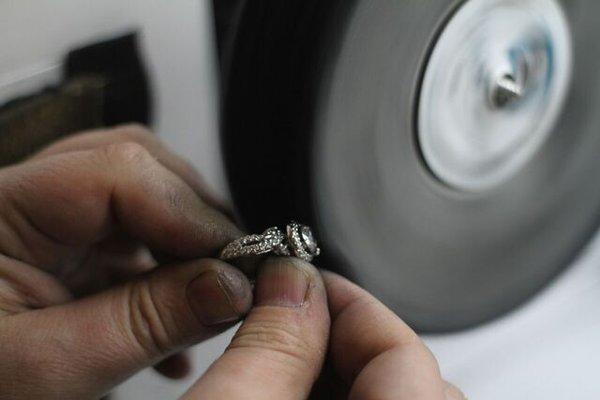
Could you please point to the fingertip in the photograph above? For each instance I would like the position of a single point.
(453, 393)
(341, 292)
(286, 282)
(237, 285)
(219, 294)
(279, 349)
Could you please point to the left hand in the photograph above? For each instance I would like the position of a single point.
(82, 303)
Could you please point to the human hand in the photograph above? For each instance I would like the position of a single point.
(82, 216)
(295, 344)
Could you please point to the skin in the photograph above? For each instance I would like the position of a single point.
(106, 241)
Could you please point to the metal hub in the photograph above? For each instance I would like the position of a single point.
(493, 89)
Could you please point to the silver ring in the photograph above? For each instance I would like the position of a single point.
(298, 241)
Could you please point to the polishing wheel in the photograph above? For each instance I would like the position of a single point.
(446, 152)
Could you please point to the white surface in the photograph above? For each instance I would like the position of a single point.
(549, 349)
(177, 42)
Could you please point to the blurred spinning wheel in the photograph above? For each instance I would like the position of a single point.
(445, 151)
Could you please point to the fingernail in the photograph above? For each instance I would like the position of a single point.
(219, 296)
(282, 282)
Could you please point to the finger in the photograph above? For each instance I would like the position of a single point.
(123, 257)
(453, 393)
(133, 133)
(278, 351)
(388, 360)
(82, 349)
(77, 199)
(23, 288)
(112, 261)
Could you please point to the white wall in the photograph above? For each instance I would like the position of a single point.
(177, 40)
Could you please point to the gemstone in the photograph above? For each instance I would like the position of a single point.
(308, 239)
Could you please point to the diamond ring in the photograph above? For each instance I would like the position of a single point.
(298, 241)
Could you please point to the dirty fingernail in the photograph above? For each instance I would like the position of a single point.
(219, 296)
(282, 282)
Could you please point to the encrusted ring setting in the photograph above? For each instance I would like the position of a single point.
(298, 241)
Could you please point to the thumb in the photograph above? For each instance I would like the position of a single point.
(83, 349)
(279, 349)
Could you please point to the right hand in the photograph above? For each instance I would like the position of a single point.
(281, 350)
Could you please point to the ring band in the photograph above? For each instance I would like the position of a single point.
(298, 241)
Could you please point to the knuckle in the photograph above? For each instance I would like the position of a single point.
(145, 321)
(175, 197)
(126, 153)
(281, 339)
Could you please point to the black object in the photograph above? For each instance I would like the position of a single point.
(277, 59)
(227, 14)
(127, 95)
(104, 84)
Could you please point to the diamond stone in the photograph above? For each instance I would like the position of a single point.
(308, 239)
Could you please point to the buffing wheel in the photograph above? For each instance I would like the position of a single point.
(445, 151)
